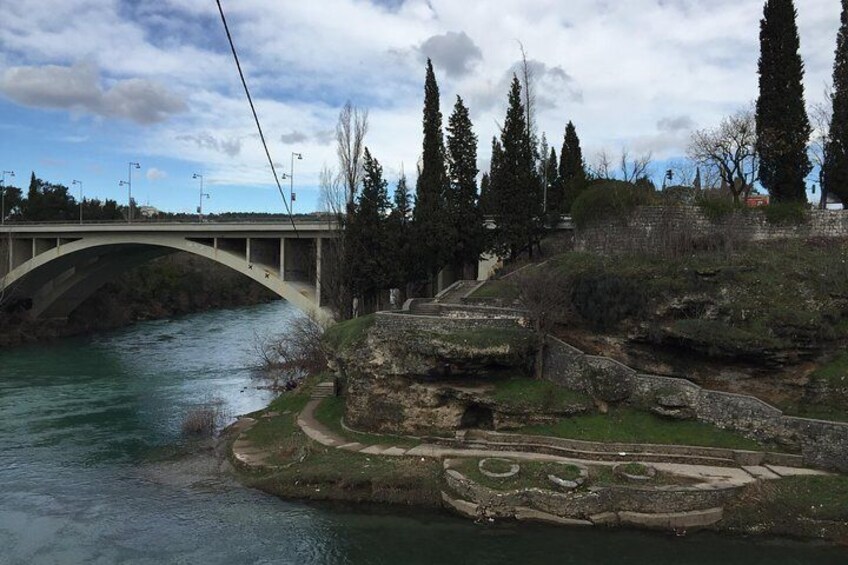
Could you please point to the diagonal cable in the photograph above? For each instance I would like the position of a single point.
(255, 116)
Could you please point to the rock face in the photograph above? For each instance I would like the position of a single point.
(409, 376)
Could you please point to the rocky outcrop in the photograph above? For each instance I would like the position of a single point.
(434, 375)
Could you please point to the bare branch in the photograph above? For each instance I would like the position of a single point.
(730, 149)
(350, 146)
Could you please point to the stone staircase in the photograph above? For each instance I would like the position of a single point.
(456, 292)
(323, 390)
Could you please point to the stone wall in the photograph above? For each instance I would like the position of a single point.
(457, 320)
(821, 443)
(667, 227)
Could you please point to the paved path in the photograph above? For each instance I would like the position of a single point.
(718, 477)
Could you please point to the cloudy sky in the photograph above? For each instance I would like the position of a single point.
(87, 86)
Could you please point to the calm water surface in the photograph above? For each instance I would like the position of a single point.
(93, 470)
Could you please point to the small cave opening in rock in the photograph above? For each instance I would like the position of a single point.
(477, 417)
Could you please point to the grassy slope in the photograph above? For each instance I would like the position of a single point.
(628, 425)
(308, 470)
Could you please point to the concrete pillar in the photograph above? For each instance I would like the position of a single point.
(318, 246)
(282, 258)
(247, 251)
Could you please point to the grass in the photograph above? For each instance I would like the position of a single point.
(534, 474)
(635, 469)
(503, 289)
(628, 425)
(814, 507)
(330, 413)
(544, 396)
(268, 431)
(487, 338)
(834, 373)
(345, 334)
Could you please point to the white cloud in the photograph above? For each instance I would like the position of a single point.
(153, 174)
(78, 88)
(640, 73)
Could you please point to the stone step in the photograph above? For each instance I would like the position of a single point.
(604, 455)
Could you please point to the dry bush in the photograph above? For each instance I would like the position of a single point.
(545, 295)
(202, 421)
(296, 353)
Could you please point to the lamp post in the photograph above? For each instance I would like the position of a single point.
(3, 195)
(292, 195)
(80, 185)
(128, 184)
(202, 194)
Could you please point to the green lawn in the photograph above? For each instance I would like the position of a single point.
(628, 425)
(330, 412)
(545, 396)
(344, 334)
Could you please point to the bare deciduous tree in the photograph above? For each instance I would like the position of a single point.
(636, 168)
(731, 150)
(350, 146)
(821, 114)
(603, 167)
(296, 353)
(546, 296)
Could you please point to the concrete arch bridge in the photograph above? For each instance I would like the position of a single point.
(49, 270)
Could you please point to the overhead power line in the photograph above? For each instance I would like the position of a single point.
(256, 116)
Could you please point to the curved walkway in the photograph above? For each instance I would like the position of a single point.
(720, 476)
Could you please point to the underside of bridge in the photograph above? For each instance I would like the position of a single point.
(49, 277)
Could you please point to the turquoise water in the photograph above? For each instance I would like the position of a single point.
(93, 469)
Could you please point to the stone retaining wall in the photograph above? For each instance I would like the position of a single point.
(459, 319)
(595, 501)
(662, 227)
(822, 444)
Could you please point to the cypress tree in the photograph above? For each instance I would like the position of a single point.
(572, 169)
(783, 128)
(433, 232)
(399, 238)
(466, 217)
(366, 235)
(516, 188)
(836, 160)
(555, 194)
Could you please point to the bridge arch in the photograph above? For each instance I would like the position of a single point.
(54, 275)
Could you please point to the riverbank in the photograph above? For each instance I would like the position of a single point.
(169, 287)
(299, 448)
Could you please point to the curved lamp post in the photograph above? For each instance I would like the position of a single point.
(202, 194)
(292, 195)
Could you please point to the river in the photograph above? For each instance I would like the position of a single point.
(93, 469)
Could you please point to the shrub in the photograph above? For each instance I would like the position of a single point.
(717, 206)
(201, 421)
(609, 201)
(605, 299)
(786, 213)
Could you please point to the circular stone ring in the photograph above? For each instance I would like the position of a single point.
(570, 484)
(513, 468)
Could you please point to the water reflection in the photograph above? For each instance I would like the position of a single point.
(93, 470)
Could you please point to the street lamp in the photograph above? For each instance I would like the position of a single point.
(128, 184)
(202, 194)
(292, 195)
(80, 185)
(3, 194)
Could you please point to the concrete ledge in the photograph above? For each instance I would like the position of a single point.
(674, 521)
(524, 514)
(467, 509)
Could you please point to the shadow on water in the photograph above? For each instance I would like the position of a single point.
(93, 470)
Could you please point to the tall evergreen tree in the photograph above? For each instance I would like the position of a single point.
(515, 185)
(572, 168)
(399, 237)
(433, 231)
(783, 128)
(465, 214)
(366, 235)
(554, 183)
(836, 155)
